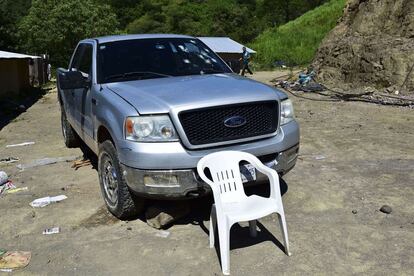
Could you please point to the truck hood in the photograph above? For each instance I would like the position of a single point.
(163, 95)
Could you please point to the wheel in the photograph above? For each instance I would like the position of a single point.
(119, 200)
(70, 137)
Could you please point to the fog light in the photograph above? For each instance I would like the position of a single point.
(161, 181)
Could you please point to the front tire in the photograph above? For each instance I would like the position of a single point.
(118, 198)
(70, 137)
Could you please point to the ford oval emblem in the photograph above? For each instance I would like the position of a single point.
(235, 121)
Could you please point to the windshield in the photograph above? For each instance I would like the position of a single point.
(156, 58)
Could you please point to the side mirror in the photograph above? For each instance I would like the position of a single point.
(71, 79)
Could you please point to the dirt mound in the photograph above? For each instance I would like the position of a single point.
(372, 45)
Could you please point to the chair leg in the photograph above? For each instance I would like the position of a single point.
(282, 222)
(213, 226)
(224, 238)
(253, 228)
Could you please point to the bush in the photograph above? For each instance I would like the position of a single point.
(296, 42)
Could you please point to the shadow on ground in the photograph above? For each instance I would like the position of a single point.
(11, 108)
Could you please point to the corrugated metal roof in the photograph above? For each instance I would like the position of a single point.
(4, 54)
(224, 45)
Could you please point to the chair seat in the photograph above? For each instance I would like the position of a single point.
(250, 208)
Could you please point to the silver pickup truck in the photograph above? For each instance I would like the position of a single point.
(151, 106)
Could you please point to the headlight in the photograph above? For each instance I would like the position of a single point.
(150, 129)
(286, 114)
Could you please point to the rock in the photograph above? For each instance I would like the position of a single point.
(386, 209)
(354, 212)
(160, 215)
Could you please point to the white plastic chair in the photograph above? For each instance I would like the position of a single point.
(231, 205)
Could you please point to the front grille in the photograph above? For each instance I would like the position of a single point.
(206, 125)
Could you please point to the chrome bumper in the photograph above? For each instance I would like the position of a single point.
(185, 183)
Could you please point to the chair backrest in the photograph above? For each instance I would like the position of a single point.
(225, 173)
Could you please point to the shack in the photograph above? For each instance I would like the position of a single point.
(18, 72)
(228, 49)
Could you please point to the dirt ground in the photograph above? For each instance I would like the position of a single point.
(354, 158)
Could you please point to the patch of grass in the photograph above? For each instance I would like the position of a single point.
(296, 42)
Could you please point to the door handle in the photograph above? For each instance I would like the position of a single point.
(94, 102)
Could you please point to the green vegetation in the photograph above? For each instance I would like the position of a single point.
(54, 27)
(296, 42)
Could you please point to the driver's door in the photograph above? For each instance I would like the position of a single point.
(82, 96)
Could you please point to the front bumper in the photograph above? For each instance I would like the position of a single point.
(184, 183)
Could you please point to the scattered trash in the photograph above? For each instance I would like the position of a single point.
(354, 212)
(2, 251)
(9, 160)
(44, 201)
(161, 215)
(20, 145)
(319, 157)
(14, 259)
(279, 63)
(45, 161)
(4, 178)
(6, 187)
(50, 231)
(81, 163)
(129, 228)
(162, 234)
(16, 190)
(386, 209)
(305, 78)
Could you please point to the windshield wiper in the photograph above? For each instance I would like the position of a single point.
(210, 70)
(138, 74)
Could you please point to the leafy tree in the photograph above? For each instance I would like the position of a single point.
(10, 13)
(55, 27)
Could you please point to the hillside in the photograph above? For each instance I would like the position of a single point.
(297, 41)
(373, 45)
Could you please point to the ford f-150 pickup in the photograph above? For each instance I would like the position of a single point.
(151, 106)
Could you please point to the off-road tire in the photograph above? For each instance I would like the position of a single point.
(70, 137)
(127, 204)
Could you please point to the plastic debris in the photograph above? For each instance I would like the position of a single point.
(20, 145)
(16, 190)
(162, 234)
(45, 161)
(14, 259)
(50, 231)
(320, 157)
(4, 178)
(44, 201)
(9, 160)
(6, 187)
